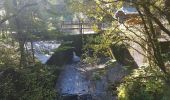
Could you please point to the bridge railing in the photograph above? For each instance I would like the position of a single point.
(79, 27)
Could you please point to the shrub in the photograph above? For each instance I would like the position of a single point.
(143, 84)
(31, 83)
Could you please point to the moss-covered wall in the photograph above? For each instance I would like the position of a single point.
(63, 54)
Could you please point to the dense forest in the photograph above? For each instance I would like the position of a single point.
(130, 38)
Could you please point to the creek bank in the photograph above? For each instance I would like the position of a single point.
(79, 80)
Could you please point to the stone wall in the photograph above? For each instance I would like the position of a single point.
(123, 56)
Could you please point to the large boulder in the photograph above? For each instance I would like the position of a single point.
(63, 55)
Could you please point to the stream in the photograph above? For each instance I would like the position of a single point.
(76, 80)
(73, 81)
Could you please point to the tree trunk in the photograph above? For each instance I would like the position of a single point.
(22, 54)
(154, 41)
(167, 10)
(32, 51)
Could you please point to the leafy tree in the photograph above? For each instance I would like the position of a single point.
(103, 11)
(141, 31)
(21, 78)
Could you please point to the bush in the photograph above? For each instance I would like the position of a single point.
(31, 83)
(143, 84)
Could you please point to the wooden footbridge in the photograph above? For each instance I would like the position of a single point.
(78, 27)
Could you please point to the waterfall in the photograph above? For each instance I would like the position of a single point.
(75, 57)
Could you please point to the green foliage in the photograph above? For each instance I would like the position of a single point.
(9, 54)
(30, 20)
(166, 56)
(33, 20)
(144, 84)
(30, 83)
(90, 60)
(64, 47)
(98, 45)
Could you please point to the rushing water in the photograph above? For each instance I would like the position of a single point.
(76, 81)
(73, 81)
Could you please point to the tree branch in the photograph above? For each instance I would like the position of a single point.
(19, 11)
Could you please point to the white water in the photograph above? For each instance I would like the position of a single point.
(75, 57)
(73, 81)
(43, 49)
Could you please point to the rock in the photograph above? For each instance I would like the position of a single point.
(61, 57)
(85, 97)
(69, 97)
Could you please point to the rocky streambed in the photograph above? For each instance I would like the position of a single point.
(76, 82)
(73, 83)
